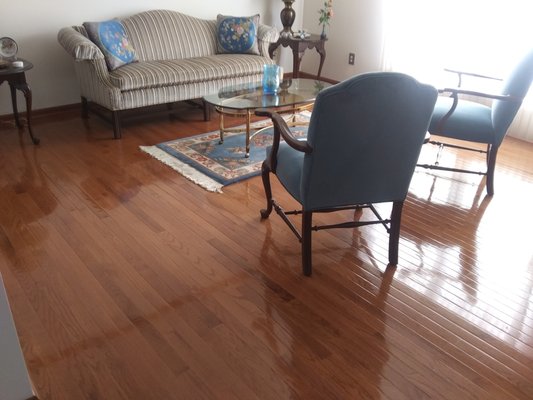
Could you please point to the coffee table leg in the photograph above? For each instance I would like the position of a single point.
(221, 125)
(248, 118)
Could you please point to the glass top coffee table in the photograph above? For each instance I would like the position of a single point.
(242, 100)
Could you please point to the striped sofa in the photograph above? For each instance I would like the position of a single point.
(177, 61)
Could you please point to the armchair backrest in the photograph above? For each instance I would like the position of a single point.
(516, 85)
(366, 134)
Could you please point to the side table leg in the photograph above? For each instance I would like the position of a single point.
(24, 88)
(14, 104)
(296, 60)
(322, 51)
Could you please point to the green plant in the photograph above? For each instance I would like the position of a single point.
(326, 13)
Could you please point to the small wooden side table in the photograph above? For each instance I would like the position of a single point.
(298, 47)
(16, 78)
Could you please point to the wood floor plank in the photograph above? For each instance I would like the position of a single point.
(127, 281)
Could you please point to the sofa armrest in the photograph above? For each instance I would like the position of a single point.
(266, 35)
(78, 45)
(90, 66)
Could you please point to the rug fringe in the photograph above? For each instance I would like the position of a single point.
(186, 170)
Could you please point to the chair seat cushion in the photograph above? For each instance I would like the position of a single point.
(470, 121)
(149, 74)
(289, 169)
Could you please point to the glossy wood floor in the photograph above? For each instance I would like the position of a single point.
(127, 281)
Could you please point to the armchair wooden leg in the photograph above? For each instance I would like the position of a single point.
(491, 166)
(307, 221)
(265, 175)
(394, 232)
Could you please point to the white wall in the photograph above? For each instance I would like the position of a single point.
(34, 25)
(356, 27)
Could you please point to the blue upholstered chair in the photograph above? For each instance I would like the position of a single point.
(470, 121)
(363, 142)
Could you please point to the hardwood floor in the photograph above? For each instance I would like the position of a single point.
(127, 281)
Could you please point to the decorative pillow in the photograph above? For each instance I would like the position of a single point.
(111, 38)
(237, 34)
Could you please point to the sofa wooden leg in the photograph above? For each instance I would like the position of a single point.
(117, 134)
(84, 108)
(207, 111)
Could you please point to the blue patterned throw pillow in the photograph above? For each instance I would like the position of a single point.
(111, 38)
(237, 34)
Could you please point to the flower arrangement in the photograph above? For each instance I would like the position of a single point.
(325, 14)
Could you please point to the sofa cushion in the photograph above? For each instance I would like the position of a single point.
(171, 72)
(112, 40)
(237, 34)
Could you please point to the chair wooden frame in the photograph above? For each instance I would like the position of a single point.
(392, 224)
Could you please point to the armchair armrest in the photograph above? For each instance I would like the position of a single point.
(281, 130)
(457, 91)
(78, 45)
(461, 73)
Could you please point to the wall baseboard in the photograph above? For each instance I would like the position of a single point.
(312, 76)
(44, 112)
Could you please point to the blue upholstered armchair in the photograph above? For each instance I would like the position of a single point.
(363, 142)
(465, 120)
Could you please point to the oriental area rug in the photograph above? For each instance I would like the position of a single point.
(213, 165)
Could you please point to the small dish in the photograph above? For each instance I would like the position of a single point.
(8, 47)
